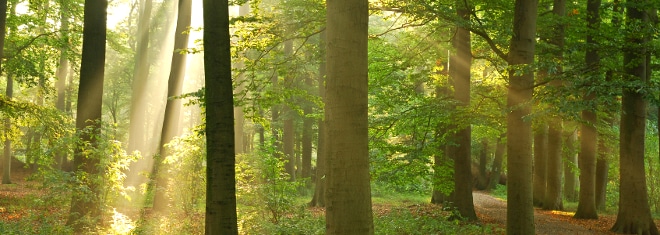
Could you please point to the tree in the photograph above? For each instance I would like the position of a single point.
(88, 118)
(540, 160)
(221, 215)
(348, 194)
(173, 105)
(6, 163)
(460, 73)
(589, 139)
(520, 209)
(553, 190)
(570, 154)
(634, 214)
(138, 131)
(321, 153)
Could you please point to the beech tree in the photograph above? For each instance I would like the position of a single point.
(520, 209)
(221, 215)
(348, 190)
(589, 138)
(88, 118)
(634, 214)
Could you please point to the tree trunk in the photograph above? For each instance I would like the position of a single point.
(348, 195)
(482, 181)
(589, 139)
(520, 208)
(553, 199)
(321, 160)
(634, 214)
(137, 118)
(553, 190)
(239, 114)
(87, 206)
(540, 160)
(61, 74)
(171, 125)
(496, 168)
(463, 181)
(570, 154)
(220, 154)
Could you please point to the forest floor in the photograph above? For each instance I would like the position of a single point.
(491, 210)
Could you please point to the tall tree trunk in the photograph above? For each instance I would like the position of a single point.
(288, 130)
(553, 198)
(482, 181)
(520, 208)
(589, 139)
(321, 153)
(220, 154)
(553, 190)
(137, 117)
(61, 74)
(87, 206)
(496, 168)
(463, 180)
(634, 214)
(570, 154)
(540, 160)
(602, 166)
(171, 124)
(239, 115)
(348, 194)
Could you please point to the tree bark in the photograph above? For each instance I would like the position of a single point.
(540, 160)
(520, 208)
(88, 118)
(348, 195)
(321, 160)
(589, 139)
(221, 215)
(61, 74)
(482, 181)
(570, 154)
(496, 168)
(634, 214)
(463, 181)
(171, 125)
(553, 190)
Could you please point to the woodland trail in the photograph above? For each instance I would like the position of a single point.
(492, 210)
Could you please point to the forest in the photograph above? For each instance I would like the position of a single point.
(330, 117)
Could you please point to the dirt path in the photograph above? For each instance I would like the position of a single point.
(493, 211)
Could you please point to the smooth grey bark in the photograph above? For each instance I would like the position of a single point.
(589, 135)
(221, 217)
(462, 151)
(348, 194)
(634, 214)
(520, 208)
